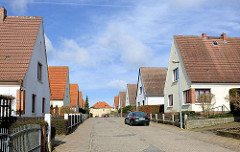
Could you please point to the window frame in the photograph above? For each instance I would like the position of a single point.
(187, 96)
(170, 105)
(175, 74)
(199, 91)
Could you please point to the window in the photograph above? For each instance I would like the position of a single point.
(39, 72)
(143, 102)
(170, 100)
(43, 105)
(215, 42)
(186, 96)
(175, 74)
(33, 103)
(198, 92)
(140, 90)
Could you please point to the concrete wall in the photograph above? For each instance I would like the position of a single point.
(171, 87)
(154, 100)
(33, 86)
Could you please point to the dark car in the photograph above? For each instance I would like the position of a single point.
(137, 118)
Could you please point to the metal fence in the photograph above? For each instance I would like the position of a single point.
(5, 109)
(74, 120)
(22, 139)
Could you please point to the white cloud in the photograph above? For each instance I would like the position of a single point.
(19, 6)
(48, 43)
(118, 84)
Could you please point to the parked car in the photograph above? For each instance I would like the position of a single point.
(137, 118)
(105, 115)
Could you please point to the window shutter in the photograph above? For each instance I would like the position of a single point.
(22, 102)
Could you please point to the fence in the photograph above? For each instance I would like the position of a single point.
(23, 139)
(172, 119)
(74, 120)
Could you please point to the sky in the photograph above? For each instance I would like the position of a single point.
(104, 42)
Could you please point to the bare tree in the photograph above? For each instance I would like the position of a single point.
(206, 102)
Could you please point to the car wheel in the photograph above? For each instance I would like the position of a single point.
(125, 121)
(131, 123)
(146, 124)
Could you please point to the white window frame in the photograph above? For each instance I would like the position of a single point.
(175, 74)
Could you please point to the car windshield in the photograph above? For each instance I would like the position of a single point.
(140, 114)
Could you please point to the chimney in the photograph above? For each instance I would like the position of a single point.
(204, 35)
(3, 14)
(224, 36)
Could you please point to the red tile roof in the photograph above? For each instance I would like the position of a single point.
(80, 100)
(153, 79)
(122, 98)
(205, 62)
(74, 94)
(101, 105)
(116, 101)
(57, 78)
(84, 103)
(17, 39)
(132, 89)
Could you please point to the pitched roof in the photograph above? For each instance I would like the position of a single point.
(80, 100)
(153, 79)
(116, 98)
(17, 39)
(206, 62)
(100, 105)
(74, 94)
(84, 102)
(57, 79)
(132, 89)
(122, 98)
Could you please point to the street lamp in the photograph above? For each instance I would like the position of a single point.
(179, 93)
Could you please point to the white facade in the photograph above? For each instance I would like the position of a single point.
(220, 91)
(143, 99)
(127, 99)
(31, 84)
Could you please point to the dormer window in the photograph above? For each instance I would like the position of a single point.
(215, 42)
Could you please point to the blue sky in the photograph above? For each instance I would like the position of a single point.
(104, 42)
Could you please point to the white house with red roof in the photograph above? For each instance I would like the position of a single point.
(100, 108)
(201, 65)
(23, 64)
(59, 85)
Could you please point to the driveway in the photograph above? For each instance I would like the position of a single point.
(112, 135)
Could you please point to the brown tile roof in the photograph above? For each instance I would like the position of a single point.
(80, 100)
(57, 79)
(132, 89)
(101, 105)
(122, 98)
(84, 102)
(153, 80)
(17, 39)
(74, 94)
(206, 62)
(116, 101)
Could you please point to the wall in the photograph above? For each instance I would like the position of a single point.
(58, 103)
(154, 100)
(127, 99)
(140, 96)
(10, 90)
(172, 87)
(67, 100)
(100, 112)
(40, 88)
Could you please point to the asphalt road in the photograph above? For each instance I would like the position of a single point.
(112, 135)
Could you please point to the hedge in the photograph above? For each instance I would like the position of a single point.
(60, 126)
(17, 124)
(151, 109)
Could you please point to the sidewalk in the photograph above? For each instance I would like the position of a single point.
(74, 142)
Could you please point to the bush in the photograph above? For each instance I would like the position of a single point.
(234, 98)
(66, 109)
(60, 126)
(189, 113)
(221, 115)
(151, 109)
(17, 124)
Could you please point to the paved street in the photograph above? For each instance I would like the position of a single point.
(112, 135)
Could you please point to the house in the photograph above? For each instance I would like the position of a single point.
(150, 86)
(202, 64)
(131, 95)
(100, 108)
(23, 64)
(80, 100)
(122, 100)
(116, 100)
(59, 85)
(74, 97)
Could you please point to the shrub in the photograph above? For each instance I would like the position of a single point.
(17, 124)
(234, 98)
(151, 109)
(189, 113)
(221, 115)
(60, 126)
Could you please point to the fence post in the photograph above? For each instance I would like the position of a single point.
(156, 117)
(163, 117)
(185, 122)
(173, 119)
(66, 116)
(47, 118)
(150, 116)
